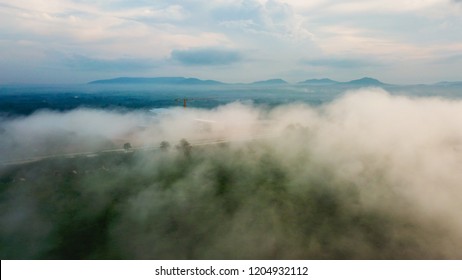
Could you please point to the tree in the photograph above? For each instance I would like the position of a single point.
(164, 146)
(127, 146)
(185, 147)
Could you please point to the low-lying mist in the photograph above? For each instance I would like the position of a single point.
(368, 176)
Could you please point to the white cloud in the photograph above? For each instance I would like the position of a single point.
(100, 31)
(276, 33)
(383, 6)
(358, 41)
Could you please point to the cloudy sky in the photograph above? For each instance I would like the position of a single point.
(74, 41)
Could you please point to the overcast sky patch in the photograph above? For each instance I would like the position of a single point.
(339, 63)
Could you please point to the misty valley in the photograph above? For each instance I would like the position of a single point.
(242, 172)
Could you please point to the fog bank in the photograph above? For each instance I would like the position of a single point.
(368, 176)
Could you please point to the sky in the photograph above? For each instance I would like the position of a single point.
(76, 41)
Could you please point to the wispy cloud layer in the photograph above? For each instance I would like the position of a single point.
(405, 35)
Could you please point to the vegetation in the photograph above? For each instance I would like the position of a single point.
(215, 202)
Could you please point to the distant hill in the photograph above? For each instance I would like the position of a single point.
(448, 84)
(319, 82)
(366, 81)
(270, 82)
(157, 80)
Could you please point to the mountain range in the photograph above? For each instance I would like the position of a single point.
(271, 82)
(157, 80)
(319, 82)
(366, 81)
